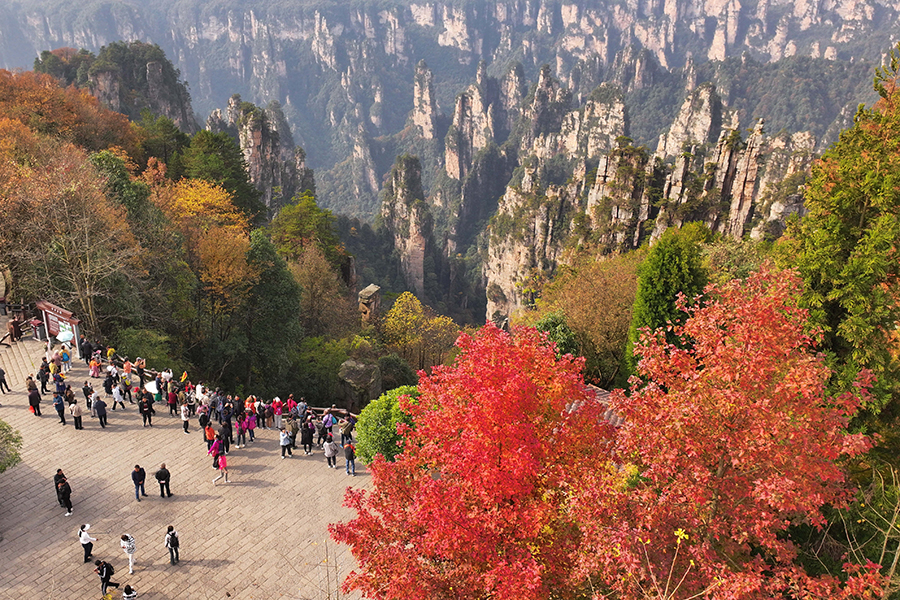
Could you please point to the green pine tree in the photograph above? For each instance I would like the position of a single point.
(673, 266)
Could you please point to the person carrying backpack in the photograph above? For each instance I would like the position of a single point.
(347, 426)
(172, 544)
(105, 571)
(350, 457)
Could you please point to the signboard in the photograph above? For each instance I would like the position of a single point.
(58, 320)
(54, 316)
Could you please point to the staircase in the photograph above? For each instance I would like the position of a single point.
(20, 359)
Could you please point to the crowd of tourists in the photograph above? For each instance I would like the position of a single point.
(226, 422)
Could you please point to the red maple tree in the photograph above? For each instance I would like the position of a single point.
(511, 484)
(727, 441)
(475, 507)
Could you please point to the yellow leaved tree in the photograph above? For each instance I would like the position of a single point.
(198, 209)
(418, 334)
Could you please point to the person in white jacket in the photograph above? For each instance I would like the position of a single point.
(87, 542)
(331, 451)
(129, 547)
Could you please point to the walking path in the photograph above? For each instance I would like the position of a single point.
(262, 536)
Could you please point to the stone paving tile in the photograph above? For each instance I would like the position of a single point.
(262, 536)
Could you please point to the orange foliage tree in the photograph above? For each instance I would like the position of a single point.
(38, 101)
(63, 239)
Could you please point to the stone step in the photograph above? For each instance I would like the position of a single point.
(19, 360)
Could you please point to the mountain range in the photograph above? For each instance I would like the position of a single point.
(536, 124)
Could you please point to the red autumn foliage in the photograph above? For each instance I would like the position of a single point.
(728, 440)
(511, 484)
(475, 507)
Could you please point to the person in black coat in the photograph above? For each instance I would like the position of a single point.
(34, 401)
(138, 475)
(100, 408)
(64, 491)
(162, 477)
(56, 479)
(145, 407)
(105, 572)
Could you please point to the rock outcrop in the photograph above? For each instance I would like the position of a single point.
(425, 111)
(360, 383)
(704, 170)
(698, 122)
(408, 221)
(276, 166)
(136, 76)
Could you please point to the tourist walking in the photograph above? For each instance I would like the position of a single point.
(64, 491)
(324, 429)
(66, 358)
(346, 427)
(172, 544)
(210, 434)
(223, 469)
(77, 413)
(59, 403)
(34, 401)
(172, 399)
(44, 375)
(56, 479)
(251, 425)
(87, 542)
(331, 451)
(145, 406)
(105, 571)
(277, 406)
(307, 431)
(3, 383)
(100, 408)
(117, 397)
(285, 443)
(350, 457)
(241, 426)
(162, 477)
(129, 546)
(137, 477)
(225, 433)
(294, 428)
(215, 450)
(185, 417)
(95, 395)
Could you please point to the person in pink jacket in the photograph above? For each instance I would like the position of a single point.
(251, 424)
(223, 469)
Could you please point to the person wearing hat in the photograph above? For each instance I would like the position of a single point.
(87, 542)
(277, 406)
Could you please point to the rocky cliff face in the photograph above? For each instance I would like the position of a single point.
(618, 197)
(276, 166)
(424, 115)
(136, 76)
(408, 221)
(337, 68)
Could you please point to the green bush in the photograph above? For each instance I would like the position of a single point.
(377, 426)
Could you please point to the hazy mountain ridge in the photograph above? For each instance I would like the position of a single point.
(344, 73)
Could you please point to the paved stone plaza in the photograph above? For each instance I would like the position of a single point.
(261, 536)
